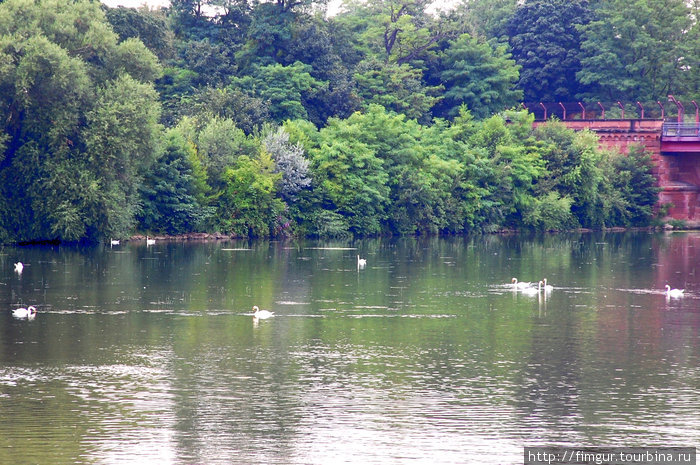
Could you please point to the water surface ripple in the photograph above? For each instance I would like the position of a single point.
(426, 355)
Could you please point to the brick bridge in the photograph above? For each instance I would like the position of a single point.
(674, 145)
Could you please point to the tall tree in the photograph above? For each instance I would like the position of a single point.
(545, 40)
(190, 21)
(640, 50)
(268, 37)
(395, 31)
(248, 206)
(315, 44)
(479, 76)
(290, 162)
(81, 122)
(149, 26)
(352, 181)
(286, 88)
(510, 164)
(246, 111)
(487, 18)
(219, 142)
(174, 189)
(575, 170)
(399, 88)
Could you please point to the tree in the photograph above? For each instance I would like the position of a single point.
(81, 122)
(149, 26)
(421, 191)
(190, 21)
(395, 31)
(268, 37)
(545, 40)
(576, 169)
(289, 162)
(639, 50)
(247, 112)
(120, 146)
(286, 88)
(478, 76)
(210, 60)
(220, 142)
(174, 189)
(635, 188)
(508, 164)
(351, 178)
(487, 18)
(314, 43)
(132, 58)
(398, 88)
(248, 206)
(454, 172)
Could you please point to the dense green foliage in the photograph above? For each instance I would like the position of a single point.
(272, 118)
(546, 40)
(80, 122)
(639, 50)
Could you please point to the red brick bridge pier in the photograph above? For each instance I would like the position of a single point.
(672, 139)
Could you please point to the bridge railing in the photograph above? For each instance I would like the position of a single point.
(674, 129)
(669, 110)
(565, 111)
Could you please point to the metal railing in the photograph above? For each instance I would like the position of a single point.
(673, 129)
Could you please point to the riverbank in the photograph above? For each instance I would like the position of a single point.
(225, 237)
(204, 237)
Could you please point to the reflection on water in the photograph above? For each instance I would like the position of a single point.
(425, 355)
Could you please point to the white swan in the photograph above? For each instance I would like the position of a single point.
(29, 312)
(150, 241)
(519, 285)
(361, 261)
(261, 314)
(674, 292)
(19, 267)
(113, 241)
(547, 287)
(532, 290)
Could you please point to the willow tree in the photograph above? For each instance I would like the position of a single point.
(80, 123)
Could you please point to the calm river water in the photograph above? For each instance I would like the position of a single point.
(150, 355)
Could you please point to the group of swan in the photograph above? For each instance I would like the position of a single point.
(149, 241)
(529, 288)
(30, 313)
(520, 284)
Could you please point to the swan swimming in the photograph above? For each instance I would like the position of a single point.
(29, 312)
(532, 290)
(361, 261)
(519, 285)
(19, 267)
(261, 314)
(113, 241)
(674, 292)
(547, 287)
(150, 241)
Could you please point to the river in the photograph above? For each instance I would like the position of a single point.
(425, 355)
